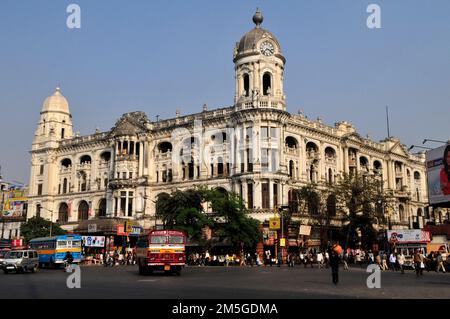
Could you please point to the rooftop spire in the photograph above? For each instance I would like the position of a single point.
(258, 18)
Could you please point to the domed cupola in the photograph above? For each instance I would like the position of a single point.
(56, 103)
(252, 42)
(56, 121)
(259, 66)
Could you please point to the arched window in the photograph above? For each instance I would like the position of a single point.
(191, 169)
(291, 142)
(377, 167)
(220, 166)
(267, 83)
(330, 153)
(364, 163)
(63, 213)
(417, 177)
(83, 210)
(102, 208)
(401, 211)
(64, 186)
(85, 159)
(66, 163)
(293, 200)
(105, 156)
(291, 168)
(165, 147)
(246, 85)
(331, 205)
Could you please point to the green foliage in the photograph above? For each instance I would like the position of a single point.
(38, 227)
(183, 210)
(237, 227)
(364, 199)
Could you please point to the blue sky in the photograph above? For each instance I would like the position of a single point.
(159, 56)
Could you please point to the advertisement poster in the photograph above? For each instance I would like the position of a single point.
(408, 236)
(94, 241)
(438, 174)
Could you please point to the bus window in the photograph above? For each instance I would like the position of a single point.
(158, 239)
(62, 244)
(175, 240)
(76, 243)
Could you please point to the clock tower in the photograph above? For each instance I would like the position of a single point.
(259, 69)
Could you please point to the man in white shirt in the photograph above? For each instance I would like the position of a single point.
(392, 260)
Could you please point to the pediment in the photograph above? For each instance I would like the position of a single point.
(130, 124)
(399, 149)
(353, 137)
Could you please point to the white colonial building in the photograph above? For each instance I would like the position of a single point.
(254, 148)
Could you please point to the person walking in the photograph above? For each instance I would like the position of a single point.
(280, 259)
(401, 261)
(440, 262)
(392, 260)
(334, 263)
(384, 265)
(345, 259)
(418, 263)
(268, 258)
(320, 260)
(378, 261)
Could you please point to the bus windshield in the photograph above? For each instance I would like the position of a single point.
(158, 239)
(175, 239)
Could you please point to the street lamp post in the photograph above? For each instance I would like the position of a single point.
(51, 219)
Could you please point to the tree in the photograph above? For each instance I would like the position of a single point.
(363, 197)
(235, 226)
(39, 227)
(182, 210)
(314, 198)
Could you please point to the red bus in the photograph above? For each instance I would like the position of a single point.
(161, 250)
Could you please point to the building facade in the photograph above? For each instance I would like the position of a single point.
(254, 148)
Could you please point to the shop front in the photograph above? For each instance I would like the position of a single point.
(107, 235)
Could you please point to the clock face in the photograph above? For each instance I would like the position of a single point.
(267, 48)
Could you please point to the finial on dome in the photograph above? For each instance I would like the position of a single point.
(258, 18)
(58, 89)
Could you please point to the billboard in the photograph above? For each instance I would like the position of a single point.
(94, 241)
(14, 203)
(408, 236)
(438, 174)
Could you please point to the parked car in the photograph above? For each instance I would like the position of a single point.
(21, 261)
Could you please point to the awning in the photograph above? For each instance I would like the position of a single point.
(107, 226)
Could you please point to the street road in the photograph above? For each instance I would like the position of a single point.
(223, 282)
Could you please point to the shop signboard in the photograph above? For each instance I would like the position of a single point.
(121, 230)
(282, 242)
(94, 241)
(305, 230)
(408, 236)
(274, 223)
(135, 231)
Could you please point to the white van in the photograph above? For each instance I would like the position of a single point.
(20, 261)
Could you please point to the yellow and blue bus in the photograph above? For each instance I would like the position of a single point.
(52, 250)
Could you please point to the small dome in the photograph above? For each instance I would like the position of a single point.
(248, 43)
(56, 103)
